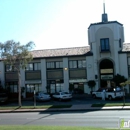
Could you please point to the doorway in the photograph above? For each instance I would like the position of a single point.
(106, 73)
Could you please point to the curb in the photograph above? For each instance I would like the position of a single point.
(60, 110)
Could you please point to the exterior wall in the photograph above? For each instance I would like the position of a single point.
(91, 73)
(43, 75)
(114, 32)
(90, 68)
(118, 31)
(79, 80)
(66, 74)
(54, 59)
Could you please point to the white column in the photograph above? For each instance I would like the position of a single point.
(43, 75)
(90, 68)
(66, 74)
(116, 59)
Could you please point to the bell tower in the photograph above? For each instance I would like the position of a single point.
(106, 40)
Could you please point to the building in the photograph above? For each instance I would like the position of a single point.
(57, 69)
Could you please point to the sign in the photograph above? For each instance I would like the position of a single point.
(77, 80)
(104, 71)
(124, 123)
(106, 77)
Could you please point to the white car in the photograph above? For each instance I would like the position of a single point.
(109, 93)
(62, 96)
(41, 96)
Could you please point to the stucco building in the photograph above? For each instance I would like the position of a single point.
(105, 56)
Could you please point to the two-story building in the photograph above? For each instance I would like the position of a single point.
(105, 56)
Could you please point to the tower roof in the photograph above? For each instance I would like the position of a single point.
(105, 19)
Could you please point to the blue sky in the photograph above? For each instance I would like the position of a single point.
(57, 23)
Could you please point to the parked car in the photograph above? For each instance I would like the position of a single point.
(3, 98)
(41, 96)
(110, 93)
(62, 96)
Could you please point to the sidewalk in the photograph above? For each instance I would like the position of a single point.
(81, 107)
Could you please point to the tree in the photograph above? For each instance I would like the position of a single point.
(17, 56)
(91, 84)
(119, 79)
(123, 84)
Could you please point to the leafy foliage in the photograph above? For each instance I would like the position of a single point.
(91, 83)
(16, 56)
(119, 79)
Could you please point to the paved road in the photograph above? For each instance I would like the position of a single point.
(105, 119)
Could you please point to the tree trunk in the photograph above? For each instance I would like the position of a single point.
(19, 89)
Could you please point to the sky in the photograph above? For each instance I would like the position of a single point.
(57, 23)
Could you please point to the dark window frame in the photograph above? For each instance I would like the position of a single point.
(12, 84)
(29, 89)
(72, 63)
(54, 65)
(10, 68)
(104, 44)
(33, 66)
(120, 42)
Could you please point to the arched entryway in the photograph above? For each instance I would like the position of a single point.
(106, 70)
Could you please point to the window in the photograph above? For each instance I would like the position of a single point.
(81, 63)
(33, 66)
(77, 64)
(55, 65)
(73, 64)
(59, 64)
(8, 68)
(105, 44)
(29, 66)
(120, 43)
(37, 66)
(59, 87)
(30, 88)
(13, 87)
(11, 68)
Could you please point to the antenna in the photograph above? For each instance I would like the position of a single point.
(104, 7)
(104, 15)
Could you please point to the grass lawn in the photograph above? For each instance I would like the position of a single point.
(21, 127)
(109, 104)
(32, 107)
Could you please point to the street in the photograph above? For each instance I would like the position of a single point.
(105, 119)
